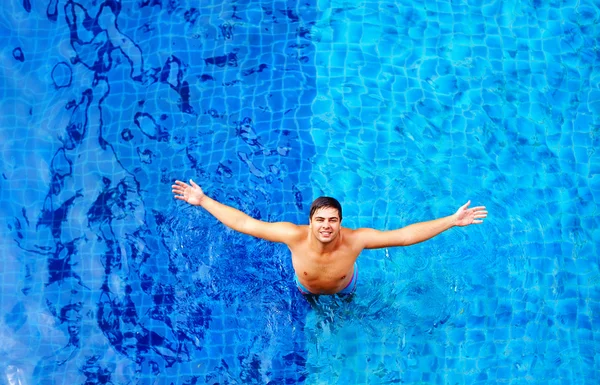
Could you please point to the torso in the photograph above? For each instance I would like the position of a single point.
(325, 273)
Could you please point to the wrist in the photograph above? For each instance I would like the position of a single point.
(454, 220)
(201, 199)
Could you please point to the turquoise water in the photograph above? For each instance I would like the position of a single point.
(401, 110)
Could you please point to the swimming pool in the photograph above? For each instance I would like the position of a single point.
(402, 110)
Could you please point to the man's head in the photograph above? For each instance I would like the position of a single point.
(325, 218)
(323, 202)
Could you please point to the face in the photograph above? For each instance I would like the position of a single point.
(325, 224)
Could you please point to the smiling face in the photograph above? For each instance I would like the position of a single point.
(325, 224)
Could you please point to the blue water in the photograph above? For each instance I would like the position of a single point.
(402, 110)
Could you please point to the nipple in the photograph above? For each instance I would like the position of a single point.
(305, 273)
(344, 277)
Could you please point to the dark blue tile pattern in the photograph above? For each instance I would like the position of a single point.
(106, 279)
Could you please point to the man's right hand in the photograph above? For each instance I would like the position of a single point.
(190, 193)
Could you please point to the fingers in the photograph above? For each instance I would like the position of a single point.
(181, 198)
(179, 187)
(464, 207)
(477, 222)
(480, 214)
(180, 184)
(479, 211)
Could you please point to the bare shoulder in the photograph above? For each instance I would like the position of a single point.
(357, 233)
(367, 238)
(293, 230)
(355, 236)
(291, 233)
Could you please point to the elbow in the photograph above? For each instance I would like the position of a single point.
(245, 225)
(409, 241)
(240, 225)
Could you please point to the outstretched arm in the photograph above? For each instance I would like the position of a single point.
(233, 218)
(419, 232)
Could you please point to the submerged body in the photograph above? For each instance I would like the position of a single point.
(324, 253)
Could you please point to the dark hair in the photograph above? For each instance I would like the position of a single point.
(322, 202)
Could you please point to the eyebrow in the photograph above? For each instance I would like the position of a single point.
(320, 217)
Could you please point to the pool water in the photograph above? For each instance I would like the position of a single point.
(403, 110)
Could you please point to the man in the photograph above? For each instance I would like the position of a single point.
(324, 253)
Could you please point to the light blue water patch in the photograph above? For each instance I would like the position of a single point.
(423, 106)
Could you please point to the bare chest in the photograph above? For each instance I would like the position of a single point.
(324, 268)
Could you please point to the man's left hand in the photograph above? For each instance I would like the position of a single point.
(466, 216)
